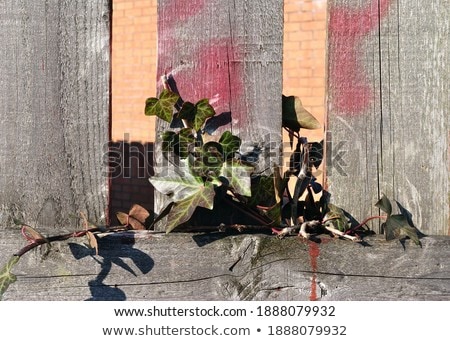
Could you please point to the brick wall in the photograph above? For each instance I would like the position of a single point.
(133, 80)
(304, 55)
(133, 68)
(134, 56)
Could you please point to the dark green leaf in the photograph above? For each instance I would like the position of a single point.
(6, 276)
(212, 154)
(397, 227)
(184, 142)
(204, 111)
(230, 144)
(196, 115)
(187, 112)
(295, 116)
(384, 204)
(168, 141)
(162, 107)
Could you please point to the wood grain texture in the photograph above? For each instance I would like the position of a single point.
(231, 53)
(388, 105)
(146, 266)
(54, 111)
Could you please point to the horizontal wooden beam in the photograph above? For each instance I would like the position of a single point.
(215, 266)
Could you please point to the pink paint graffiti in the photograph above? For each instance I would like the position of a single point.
(351, 93)
(208, 68)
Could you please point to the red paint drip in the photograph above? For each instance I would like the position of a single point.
(346, 28)
(314, 252)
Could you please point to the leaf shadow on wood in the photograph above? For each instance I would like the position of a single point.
(112, 251)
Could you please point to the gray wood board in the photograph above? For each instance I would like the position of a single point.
(231, 53)
(54, 111)
(389, 108)
(182, 266)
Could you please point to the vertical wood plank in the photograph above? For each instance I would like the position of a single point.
(231, 53)
(54, 110)
(388, 86)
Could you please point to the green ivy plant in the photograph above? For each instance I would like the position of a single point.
(205, 171)
(210, 171)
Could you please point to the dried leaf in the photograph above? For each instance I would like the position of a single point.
(139, 213)
(122, 217)
(31, 234)
(295, 116)
(92, 241)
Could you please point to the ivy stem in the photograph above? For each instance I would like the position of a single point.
(36, 242)
(365, 222)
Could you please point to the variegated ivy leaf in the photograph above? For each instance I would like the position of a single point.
(6, 276)
(182, 210)
(238, 175)
(230, 144)
(162, 107)
(336, 216)
(177, 187)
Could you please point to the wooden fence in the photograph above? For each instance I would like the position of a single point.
(54, 90)
(384, 87)
(388, 108)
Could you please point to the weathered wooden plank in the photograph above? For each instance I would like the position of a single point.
(54, 111)
(388, 103)
(146, 266)
(231, 53)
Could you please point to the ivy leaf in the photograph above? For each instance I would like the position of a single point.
(162, 107)
(168, 141)
(6, 276)
(177, 187)
(397, 227)
(295, 116)
(384, 204)
(31, 234)
(122, 217)
(92, 241)
(336, 216)
(197, 114)
(238, 174)
(230, 144)
(182, 210)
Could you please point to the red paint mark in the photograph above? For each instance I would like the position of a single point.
(346, 28)
(205, 68)
(314, 252)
